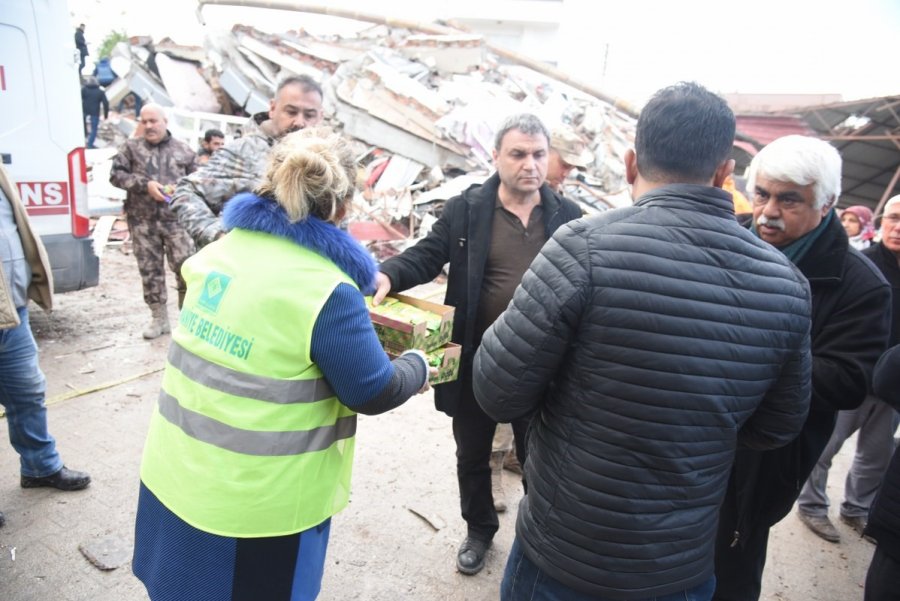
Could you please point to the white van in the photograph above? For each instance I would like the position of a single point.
(42, 133)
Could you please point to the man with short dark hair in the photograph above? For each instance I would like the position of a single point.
(794, 185)
(647, 342)
(213, 139)
(239, 165)
(488, 234)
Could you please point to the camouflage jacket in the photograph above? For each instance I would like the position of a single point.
(236, 167)
(139, 162)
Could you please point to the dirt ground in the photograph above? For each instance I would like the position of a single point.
(103, 379)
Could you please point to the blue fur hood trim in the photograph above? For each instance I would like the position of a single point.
(251, 212)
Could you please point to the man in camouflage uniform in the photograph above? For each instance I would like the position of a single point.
(147, 168)
(239, 165)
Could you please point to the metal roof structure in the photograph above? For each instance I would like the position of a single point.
(867, 134)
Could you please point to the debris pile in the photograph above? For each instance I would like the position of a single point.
(422, 108)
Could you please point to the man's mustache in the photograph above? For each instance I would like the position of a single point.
(775, 223)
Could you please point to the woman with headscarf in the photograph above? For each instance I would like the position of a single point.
(250, 447)
(859, 223)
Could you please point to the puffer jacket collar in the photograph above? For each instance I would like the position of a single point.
(693, 197)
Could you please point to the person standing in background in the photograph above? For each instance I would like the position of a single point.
(81, 45)
(859, 223)
(92, 98)
(567, 151)
(146, 167)
(239, 165)
(213, 139)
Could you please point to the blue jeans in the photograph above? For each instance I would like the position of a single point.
(92, 135)
(22, 388)
(524, 581)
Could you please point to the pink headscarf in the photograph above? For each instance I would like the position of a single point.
(866, 221)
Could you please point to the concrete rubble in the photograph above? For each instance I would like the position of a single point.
(420, 107)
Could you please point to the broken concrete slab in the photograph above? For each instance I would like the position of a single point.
(185, 85)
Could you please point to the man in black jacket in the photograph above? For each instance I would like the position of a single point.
(883, 579)
(794, 183)
(92, 98)
(647, 342)
(875, 420)
(489, 234)
(81, 45)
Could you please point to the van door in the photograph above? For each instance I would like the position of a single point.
(42, 133)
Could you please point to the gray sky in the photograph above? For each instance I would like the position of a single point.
(629, 49)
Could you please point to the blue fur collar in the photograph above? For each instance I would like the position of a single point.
(251, 212)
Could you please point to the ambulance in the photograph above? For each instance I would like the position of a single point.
(42, 133)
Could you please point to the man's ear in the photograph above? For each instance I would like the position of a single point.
(722, 173)
(828, 206)
(631, 171)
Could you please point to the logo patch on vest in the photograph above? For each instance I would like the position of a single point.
(213, 291)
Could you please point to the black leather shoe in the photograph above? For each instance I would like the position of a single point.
(64, 479)
(470, 557)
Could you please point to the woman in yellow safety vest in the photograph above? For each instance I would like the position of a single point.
(250, 446)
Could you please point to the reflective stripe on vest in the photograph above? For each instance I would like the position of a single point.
(251, 442)
(248, 439)
(246, 385)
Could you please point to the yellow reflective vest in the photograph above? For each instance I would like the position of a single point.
(248, 439)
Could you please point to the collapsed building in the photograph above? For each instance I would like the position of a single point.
(421, 109)
(421, 102)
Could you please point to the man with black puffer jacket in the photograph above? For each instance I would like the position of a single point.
(648, 342)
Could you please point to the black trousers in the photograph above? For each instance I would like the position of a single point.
(883, 579)
(473, 431)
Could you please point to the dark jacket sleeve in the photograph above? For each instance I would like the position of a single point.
(423, 262)
(105, 102)
(782, 413)
(521, 352)
(886, 383)
(121, 174)
(849, 344)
